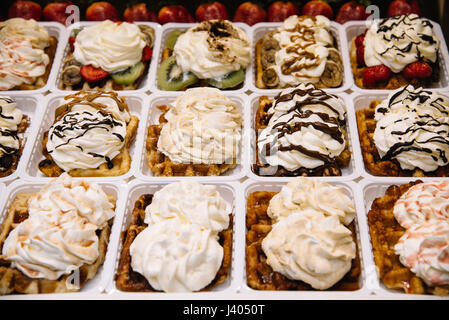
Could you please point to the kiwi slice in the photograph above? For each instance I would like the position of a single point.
(172, 38)
(128, 76)
(170, 76)
(229, 80)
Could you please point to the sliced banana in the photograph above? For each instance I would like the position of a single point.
(268, 58)
(149, 34)
(270, 78)
(332, 75)
(71, 75)
(334, 56)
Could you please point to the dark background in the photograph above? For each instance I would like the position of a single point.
(430, 8)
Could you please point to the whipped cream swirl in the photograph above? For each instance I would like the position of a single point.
(109, 45)
(302, 194)
(400, 40)
(212, 49)
(412, 129)
(25, 30)
(424, 249)
(10, 118)
(303, 53)
(304, 129)
(203, 126)
(59, 234)
(190, 202)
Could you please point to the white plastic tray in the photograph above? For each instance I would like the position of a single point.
(117, 189)
(58, 31)
(367, 192)
(352, 29)
(230, 192)
(144, 85)
(238, 172)
(349, 188)
(137, 106)
(362, 101)
(349, 173)
(31, 105)
(2, 194)
(166, 29)
(258, 31)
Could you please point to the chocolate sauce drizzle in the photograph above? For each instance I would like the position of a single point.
(327, 124)
(7, 152)
(424, 122)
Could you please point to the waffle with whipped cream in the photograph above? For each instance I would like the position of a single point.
(301, 50)
(173, 147)
(90, 137)
(279, 233)
(66, 266)
(406, 134)
(27, 53)
(301, 132)
(396, 42)
(150, 212)
(13, 124)
(110, 46)
(410, 237)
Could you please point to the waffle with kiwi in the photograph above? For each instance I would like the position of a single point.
(75, 76)
(267, 78)
(128, 280)
(259, 275)
(13, 281)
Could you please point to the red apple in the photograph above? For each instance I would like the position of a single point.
(55, 11)
(250, 13)
(351, 10)
(174, 14)
(281, 10)
(26, 10)
(400, 7)
(102, 10)
(317, 7)
(139, 12)
(210, 11)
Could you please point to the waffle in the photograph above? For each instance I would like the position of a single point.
(14, 281)
(259, 274)
(366, 125)
(262, 119)
(161, 165)
(261, 65)
(385, 232)
(129, 280)
(121, 163)
(15, 158)
(42, 80)
(397, 80)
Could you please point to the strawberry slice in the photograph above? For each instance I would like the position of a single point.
(360, 56)
(359, 40)
(147, 53)
(72, 43)
(419, 69)
(92, 74)
(372, 75)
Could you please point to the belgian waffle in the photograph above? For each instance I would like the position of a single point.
(24, 124)
(161, 165)
(385, 232)
(373, 163)
(129, 280)
(42, 80)
(262, 119)
(259, 274)
(397, 80)
(14, 281)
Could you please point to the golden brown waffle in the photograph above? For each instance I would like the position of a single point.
(259, 275)
(260, 83)
(14, 281)
(385, 232)
(366, 125)
(24, 124)
(121, 163)
(161, 165)
(42, 80)
(397, 80)
(129, 280)
(262, 119)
